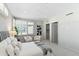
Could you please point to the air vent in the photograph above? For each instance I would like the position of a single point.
(69, 14)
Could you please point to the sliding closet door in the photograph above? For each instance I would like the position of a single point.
(47, 31)
(55, 32)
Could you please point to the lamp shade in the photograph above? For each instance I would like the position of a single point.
(13, 33)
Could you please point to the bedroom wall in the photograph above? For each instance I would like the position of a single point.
(5, 23)
(68, 31)
(5, 18)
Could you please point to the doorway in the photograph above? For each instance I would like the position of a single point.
(47, 31)
(55, 32)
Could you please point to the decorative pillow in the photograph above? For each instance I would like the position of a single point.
(10, 50)
(16, 50)
(14, 43)
(13, 39)
(21, 39)
(8, 40)
(3, 46)
(37, 38)
(19, 45)
(28, 38)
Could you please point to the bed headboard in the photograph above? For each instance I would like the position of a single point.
(3, 35)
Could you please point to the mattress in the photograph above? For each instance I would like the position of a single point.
(30, 49)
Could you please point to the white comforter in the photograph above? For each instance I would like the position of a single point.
(30, 49)
(26, 49)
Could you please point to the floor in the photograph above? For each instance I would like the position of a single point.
(59, 51)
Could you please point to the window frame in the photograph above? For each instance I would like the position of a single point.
(14, 24)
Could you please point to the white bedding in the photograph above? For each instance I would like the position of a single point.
(26, 49)
(30, 49)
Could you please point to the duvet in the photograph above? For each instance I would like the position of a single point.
(30, 49)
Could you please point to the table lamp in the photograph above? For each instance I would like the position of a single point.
(13, 33)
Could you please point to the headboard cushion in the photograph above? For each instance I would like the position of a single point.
(3, 35)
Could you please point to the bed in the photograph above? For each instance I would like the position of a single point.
(9, 46)
(23, 49)
(30, 49)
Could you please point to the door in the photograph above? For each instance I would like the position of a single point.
(48, 31)
(55, 32)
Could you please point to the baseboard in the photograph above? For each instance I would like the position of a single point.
(71, 49)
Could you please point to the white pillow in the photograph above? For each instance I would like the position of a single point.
(16, 50)
(37, 38)
(19, 45)
(13, 39)
(14, 43)
(8, 40)
(28, 38)
(3, 46)
(10, 50)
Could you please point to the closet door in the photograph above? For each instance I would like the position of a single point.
(55, 32)
(47, 31)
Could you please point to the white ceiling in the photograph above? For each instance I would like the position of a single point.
(41, 10)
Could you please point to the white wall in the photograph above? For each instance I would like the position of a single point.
(68, 31)
(5, 18)
(5, 23)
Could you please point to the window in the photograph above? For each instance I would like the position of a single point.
(30, 27)
(30, 23)
(24, 27)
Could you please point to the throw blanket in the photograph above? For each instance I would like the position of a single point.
(45, 48)
(30, 49)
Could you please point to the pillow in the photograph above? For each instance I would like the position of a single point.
(8, 40)
(14, 43)
(19, 45)
(10, 50)
(28, 38)
(21, 39)
(16, 50)
(13, 39)
(37, 38)
(3, 46)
